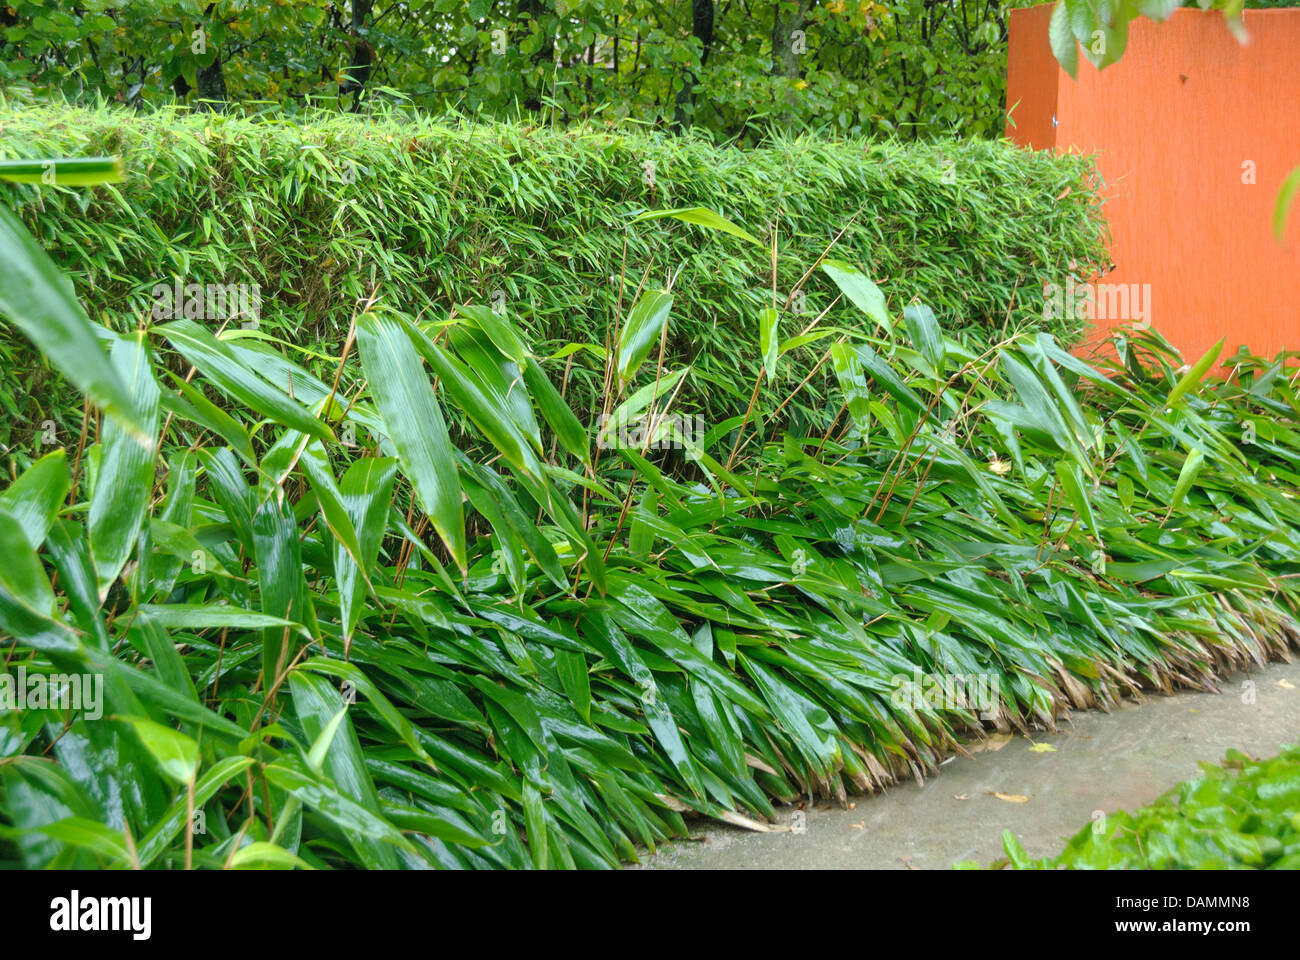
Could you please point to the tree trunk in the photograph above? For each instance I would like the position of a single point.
(212, 87)
(363, 55)
(701, 30)
(533, 10)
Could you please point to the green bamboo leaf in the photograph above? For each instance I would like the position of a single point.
(219, 363)
(174, 754)
(1286, 195)
(568, 429)
(21, 575)
(316, 464)
(321, 745)
(394, 720)
(446, 825)
(572, 668)
(861, 292)
(848, 371)
(39, 300)
(925, 333)
(487, 411)
(210, 616)
(1186, 477)
(499, 378)
(278, 551)
(355, 801)
(499, 330)
(366, 490)
(34, 498)
(887, 377)
(260, 855)
(767, 340)
(89, 835)
(64, 171)
(1067, 472)
(1192, 377)
(702, 217)
(192, 405)
(413, 421)
(121, 497)
(641, 332)
(155, 842)
(535, 824)
(360, 824)
(627, 413)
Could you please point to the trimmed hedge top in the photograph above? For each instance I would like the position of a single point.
(429, 215)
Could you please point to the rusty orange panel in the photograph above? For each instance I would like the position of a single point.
(1033, 77)
(1193, 134)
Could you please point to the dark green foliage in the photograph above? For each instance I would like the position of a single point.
(438, 215)
(479, 648)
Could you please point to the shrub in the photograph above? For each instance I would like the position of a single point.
(322, 213)
(395, 653)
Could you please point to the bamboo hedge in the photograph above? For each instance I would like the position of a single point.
(323, 212)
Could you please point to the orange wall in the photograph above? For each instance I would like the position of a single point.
(1171, 125)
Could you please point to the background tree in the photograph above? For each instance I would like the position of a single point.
(733, 69)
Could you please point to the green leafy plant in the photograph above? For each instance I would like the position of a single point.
(404, 614)
(322, 213)
(1244, 814)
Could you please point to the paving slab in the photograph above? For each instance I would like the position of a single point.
(1097, 762)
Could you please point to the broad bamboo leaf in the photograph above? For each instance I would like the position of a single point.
(1186, 477)
(219, 363)
(40, 301)
(35, 497)
(500, 331)
(926, 335)
(414, 423)
(641, 331)
(174, 754)
(125, 486)
(283, 590)
(860, 291)
(366, 490)
(64, 171)
(703, 217)
(568, 430)
(355, 802)
(1192, 378)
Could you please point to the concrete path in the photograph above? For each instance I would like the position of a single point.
(1099, 761)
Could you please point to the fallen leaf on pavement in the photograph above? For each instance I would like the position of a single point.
(1010, 797)
(1042, 748)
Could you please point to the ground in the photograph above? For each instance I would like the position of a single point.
(1098, 762)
